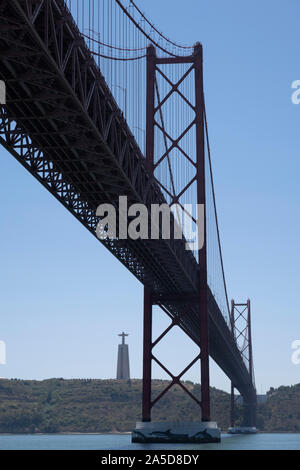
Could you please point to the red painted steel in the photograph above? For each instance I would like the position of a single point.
(243, 337)
(201, 300)
(205, 396)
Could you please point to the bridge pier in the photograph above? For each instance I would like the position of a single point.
(249, 410)
(248, 425)
(173, 432)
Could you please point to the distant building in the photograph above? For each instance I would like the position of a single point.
(123, 360)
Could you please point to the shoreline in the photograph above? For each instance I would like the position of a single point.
(112, 433)
(65, 433)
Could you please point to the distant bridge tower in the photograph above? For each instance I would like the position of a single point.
(240, 319)
(123, 360)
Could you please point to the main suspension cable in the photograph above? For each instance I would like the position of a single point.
(156, 30)
(97, 41)
(142, 31)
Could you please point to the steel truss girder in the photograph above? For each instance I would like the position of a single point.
(97, 102)
(51, 75)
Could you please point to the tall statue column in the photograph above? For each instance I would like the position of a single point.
(123, 359)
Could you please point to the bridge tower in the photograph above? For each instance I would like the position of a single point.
(205, 430)
(240, 319)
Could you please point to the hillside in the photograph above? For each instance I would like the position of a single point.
(58, 405)
(281, 412)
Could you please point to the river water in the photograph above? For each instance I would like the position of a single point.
(123, 442)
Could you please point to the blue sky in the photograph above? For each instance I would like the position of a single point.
(64, 298)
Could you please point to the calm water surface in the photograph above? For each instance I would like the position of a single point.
(123, 442)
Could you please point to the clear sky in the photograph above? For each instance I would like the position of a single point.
(64, 298)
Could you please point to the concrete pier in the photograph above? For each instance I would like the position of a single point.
(172, 432)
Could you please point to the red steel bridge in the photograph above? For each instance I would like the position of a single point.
(101, 104)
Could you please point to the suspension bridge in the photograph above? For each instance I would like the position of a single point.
(101, 104)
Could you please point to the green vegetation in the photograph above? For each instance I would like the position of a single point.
(281, 412)
(58, 405)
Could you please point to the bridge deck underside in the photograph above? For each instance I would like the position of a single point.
(63, 125)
